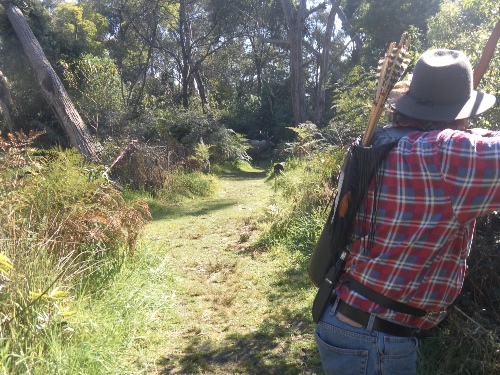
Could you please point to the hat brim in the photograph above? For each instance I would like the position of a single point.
(476, 104)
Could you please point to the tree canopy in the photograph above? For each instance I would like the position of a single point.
(253, 66)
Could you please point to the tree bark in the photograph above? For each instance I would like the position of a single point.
(200, 85)
(295, 19)
(185, 39)
(6, 103)
(52, 87)
(324, 64)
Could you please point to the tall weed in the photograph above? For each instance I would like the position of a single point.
(65, 229)
(304, 191)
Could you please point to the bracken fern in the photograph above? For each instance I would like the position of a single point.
(63, 231)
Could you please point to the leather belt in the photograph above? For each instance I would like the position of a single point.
(379, 324)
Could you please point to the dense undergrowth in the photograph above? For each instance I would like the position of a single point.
(65, 230)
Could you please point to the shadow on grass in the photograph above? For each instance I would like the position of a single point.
(282, 343)
(198, 208)
(266, 351)
(202, 205)
(246, 175)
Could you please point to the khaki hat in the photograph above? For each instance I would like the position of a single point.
(440, 89)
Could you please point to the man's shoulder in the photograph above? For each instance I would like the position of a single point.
(390, 134)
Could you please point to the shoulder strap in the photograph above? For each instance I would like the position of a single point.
(327, 262)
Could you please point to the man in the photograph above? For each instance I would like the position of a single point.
(413, 230)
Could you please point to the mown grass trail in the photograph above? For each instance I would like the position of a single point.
(227, 306)
(211, 290)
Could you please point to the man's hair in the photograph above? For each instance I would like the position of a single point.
(426, 125)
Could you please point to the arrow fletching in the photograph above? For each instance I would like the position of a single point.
(390, 70)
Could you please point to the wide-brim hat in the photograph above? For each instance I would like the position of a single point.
(441, 89)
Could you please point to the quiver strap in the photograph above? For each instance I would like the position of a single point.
(360, 167)
(382, 300)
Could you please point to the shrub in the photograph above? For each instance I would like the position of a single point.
(189, 127)
(63, 227)
(181, 184)
(145, 167)
(65, 207)
(96, 87)
(352, 106)
(306, 189)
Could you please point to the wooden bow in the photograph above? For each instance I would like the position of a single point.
(488, 51)
(391, 69)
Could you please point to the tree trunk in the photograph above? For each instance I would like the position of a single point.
(295, 22)
(151, 41)
(358, 42)
(200, 85)
(185, 39)
(52, 87)
(324, 64)
(6, 103)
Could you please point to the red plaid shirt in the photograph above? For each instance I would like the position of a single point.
(435, 184)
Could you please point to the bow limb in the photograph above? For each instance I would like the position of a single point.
(488, 51)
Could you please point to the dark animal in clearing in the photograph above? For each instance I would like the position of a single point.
(279, 168)
(258, 147)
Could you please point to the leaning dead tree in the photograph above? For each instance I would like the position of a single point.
(51, 85)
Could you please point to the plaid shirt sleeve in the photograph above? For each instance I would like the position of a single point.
(471, 171)
(434, 186)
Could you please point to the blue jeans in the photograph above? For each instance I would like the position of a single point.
(346, 350)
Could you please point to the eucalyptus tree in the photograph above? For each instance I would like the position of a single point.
(134, 29)
(79, 36)
(198, 30)
(325, 42)
(50, 5)
(27, 100)
(380, 22)
(167, 41)
(296, 13)
(254, 71)
(262, 22)
(78, 30)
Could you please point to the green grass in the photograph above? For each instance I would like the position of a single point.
(200, 297)
(217, 285)
(111, 329)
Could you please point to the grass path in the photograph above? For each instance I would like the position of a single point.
(202, 296)
(226, 307)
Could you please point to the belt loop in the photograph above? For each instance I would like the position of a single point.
(369, 326)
